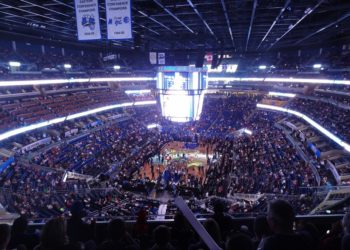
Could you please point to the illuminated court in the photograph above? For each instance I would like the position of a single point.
(185, 160)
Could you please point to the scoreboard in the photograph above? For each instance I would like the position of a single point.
(181, 92)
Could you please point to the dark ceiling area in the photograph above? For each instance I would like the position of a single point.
(237, 26)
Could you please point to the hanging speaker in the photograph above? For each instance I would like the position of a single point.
(214, 63)
(200, 60)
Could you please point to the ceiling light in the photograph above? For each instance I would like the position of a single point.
(15, 64)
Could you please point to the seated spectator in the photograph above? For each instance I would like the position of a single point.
(180, 232)
(5, 234)
(346, 237)
(53, 236)
(239, 241)
(280, 217)
(333, 239)
(78, 230)
(19, 235)
(118, 238)
(161, 235)
(262, 231)
(213, 229)
(224, 220)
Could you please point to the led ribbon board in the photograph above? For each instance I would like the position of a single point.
(291, 95)
(324, 131)
(31, 127)
(143, 79)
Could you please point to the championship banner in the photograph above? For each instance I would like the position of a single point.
(118, 16)
(161, 58)
(153, 57)
(88, 21)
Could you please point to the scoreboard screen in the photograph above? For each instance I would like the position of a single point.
(181, 92)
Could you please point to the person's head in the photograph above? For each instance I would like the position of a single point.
(77, 210)
(161, 235)
(116, 229)
(218, 207)
(5, 234)
(213, 229)
(239, 241)
(261, 227)
(19, 225)
(346, 223)
(280, 216)
(179, 220)
(54, 235)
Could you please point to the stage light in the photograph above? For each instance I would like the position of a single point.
(15, 64)
(317, 66)
(282, 94)
(247, 131)
(67, 66)
(153, 125)
(116, 67)
(262, 67)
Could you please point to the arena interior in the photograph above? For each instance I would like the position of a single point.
(175, 124)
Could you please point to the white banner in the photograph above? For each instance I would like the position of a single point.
(118, 16)
(153, 57)
(36, 144)
(88, 21)
(161, 58)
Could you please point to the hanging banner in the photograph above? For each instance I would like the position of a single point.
(161, 58)
(88, 21)
(153, 57)
(118, 16)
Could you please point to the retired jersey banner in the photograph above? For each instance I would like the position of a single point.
(118, 16)
(88, 21)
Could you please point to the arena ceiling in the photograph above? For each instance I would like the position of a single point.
(233, 25)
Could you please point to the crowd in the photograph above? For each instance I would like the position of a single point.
(277, 229)
(264, 162)
(330, 116)
(258, 163)
(31, 110)
(98, 152)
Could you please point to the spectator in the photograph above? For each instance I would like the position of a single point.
(224, 220)
(78, 230)
(345, 245)
(118, 238)
(5, 234)
(280, 217)
(213, 229)
(239, 241)
(180, 233)
(262, 231)
(19, 235)
(161, 235)
(53, 236)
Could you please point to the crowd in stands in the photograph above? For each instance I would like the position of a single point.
(277, 229)
(252, 164)
(264, 162)
(330, 116)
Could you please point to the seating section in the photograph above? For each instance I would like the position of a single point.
(332, 117)
(33, 110)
